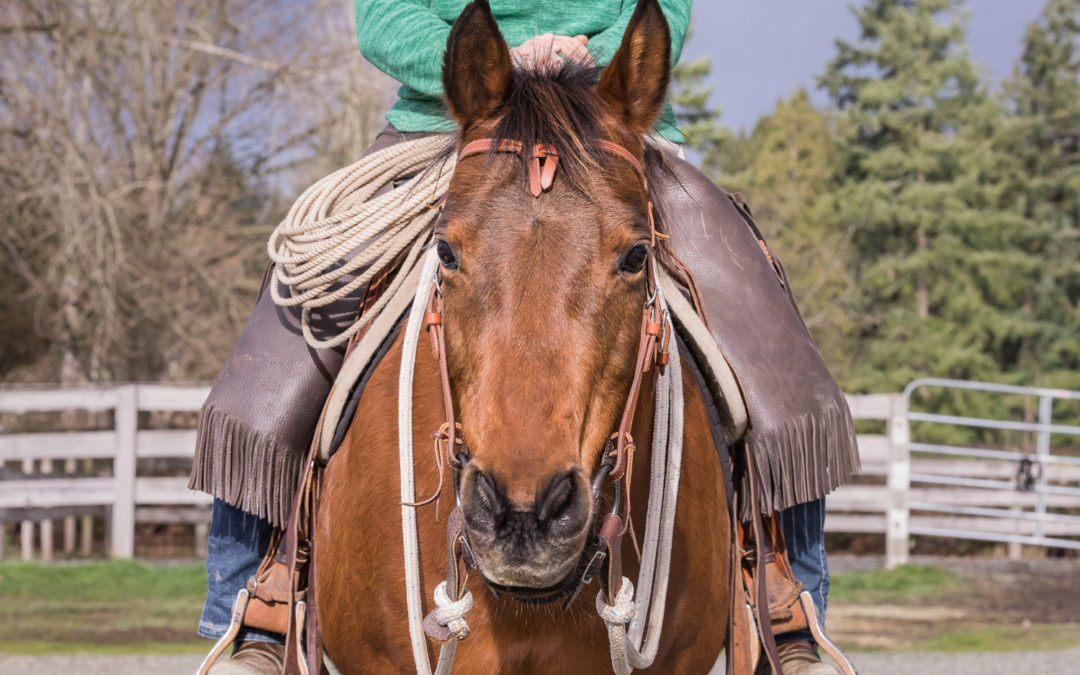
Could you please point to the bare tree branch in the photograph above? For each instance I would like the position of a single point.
(146, 149)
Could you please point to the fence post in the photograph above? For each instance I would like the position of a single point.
(123, 508)
(69, 521)
(26, 531)
(201, 531)
(46, 525)
(1046, 406)
(899, 484)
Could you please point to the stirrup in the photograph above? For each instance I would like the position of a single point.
(823, 641)
(238, 609)
(755, 638)
(301, 658)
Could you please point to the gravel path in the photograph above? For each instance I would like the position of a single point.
(113, 664)
(926, 663)
(972, 663)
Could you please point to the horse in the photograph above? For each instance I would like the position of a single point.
(542, 303)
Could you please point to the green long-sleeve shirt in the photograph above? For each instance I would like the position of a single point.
(406, 40)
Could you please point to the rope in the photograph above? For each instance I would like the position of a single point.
(338, 236)
(409, 535)
(616, 617)
(628, 649)
(451, 613)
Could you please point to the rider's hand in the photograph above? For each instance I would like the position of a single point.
(542, 50)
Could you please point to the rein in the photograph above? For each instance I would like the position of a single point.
(615, 602)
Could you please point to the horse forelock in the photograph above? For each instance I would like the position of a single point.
(559, 106)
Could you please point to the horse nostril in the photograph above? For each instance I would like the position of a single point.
(488, 493)
(556, 499)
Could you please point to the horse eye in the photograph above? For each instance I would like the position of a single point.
(634, 259)
(446, 254)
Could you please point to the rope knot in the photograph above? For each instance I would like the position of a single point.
(623, 609)
(451, 613)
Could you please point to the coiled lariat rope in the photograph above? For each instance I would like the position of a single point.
(338, 236)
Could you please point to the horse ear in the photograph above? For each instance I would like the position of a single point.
(635, 82)
(477, 71)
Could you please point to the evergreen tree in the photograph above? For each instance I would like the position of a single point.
(912, 124)
(1039, 183)
(717, 149)
(690, 100)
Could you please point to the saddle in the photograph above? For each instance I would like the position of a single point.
(766, 599)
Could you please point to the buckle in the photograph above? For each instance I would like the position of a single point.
(593, 566)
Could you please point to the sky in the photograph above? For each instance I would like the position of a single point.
(762, 50)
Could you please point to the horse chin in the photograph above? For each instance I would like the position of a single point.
(529, 582)
(533, 588)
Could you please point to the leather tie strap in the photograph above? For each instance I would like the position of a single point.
(433, 323)
(542, 173)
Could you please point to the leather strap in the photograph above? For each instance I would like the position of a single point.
(448, 438)
(653, 342)
(742, 644)
(540, 179)
(611, 531)
(298, 550)
(457, 573)
(755, 556)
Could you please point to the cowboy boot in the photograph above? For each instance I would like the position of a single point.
(801, 658)
(253, 658)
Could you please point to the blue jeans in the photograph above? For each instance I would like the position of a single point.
(238, 541)
(234, 548)
(804, 534)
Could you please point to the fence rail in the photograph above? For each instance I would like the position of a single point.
(944, 490)
(956, 490)
(129, 497)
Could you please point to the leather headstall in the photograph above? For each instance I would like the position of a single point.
(617, 459)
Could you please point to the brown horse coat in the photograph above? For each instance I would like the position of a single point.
(360, 565)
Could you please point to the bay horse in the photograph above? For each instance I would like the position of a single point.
(542, 311)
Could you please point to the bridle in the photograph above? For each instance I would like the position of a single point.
(617, 460)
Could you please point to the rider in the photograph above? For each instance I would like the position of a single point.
(260, 416)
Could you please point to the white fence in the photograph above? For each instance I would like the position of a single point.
(878, 509)
(129, 496)
(879, 503)
(965, 493)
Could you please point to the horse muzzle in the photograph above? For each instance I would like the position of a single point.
(526, 549)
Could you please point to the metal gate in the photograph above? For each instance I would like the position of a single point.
(991, 489)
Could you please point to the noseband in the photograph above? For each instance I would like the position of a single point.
(617, 459)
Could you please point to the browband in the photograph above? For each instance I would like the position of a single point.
(542, 175)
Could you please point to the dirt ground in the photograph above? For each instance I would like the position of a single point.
(992, 603)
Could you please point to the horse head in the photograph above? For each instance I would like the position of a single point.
(543, 288)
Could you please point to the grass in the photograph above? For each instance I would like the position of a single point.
(1037, 637)
(132, 608)
(906, 582)
(46, 647)
(103, 582)
(102, 607)
(929, 609)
